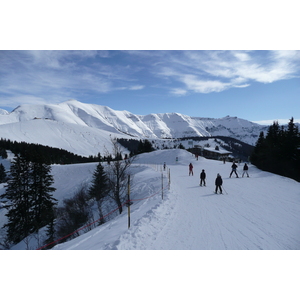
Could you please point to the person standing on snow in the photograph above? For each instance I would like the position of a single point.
(218, 183)
(234, 167)
(245, 169)
(191, 169)
(202, 177)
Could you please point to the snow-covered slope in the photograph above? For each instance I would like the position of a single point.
(174, 125)
(93, 124)
(3, 112)
(78, 139)
(259, 212)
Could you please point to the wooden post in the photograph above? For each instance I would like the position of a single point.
(162, 186)
(128, 203)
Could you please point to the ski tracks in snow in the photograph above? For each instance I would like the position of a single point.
(260, 212)
(144, 231)
(193, 217)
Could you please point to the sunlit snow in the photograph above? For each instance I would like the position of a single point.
(259, 212)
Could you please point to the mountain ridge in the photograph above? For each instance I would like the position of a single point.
(151, 126)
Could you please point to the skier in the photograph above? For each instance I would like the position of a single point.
(218, 183)
(164, 166)
(234, 167)
(191, 169)
(245, 169)
(202, 177)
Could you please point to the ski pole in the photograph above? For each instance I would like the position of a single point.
(225, 190)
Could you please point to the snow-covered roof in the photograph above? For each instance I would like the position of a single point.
(217, 151)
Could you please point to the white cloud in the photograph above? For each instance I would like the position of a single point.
(56, 74)
(61, 59)
(130, 88)
(286, 54)
(178, 92)
(215, 71)
(242, 56)
(203, 86)
(136, 87)
(264, 74)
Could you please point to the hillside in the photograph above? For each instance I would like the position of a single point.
(91, 126)
(259, 212)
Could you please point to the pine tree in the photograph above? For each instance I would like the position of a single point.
(292, 136)
(144, 146)
(99, 188)
(2, 174)
(292, 149)
(41, 195)
(3, 153)
(50, 234)
(30, 194)
(18, 193)
(148, 146)
(254, 158)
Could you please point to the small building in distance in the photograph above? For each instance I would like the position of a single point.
(210, 153)
(216, 153)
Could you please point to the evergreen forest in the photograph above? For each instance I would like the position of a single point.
(279, 151)
(45, 154)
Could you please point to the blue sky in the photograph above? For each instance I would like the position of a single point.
(254, 85)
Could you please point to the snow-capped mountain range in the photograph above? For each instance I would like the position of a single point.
(58, 125)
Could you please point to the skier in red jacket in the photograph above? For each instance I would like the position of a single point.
(191, 169)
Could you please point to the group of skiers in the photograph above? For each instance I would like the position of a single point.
(218, 180)
(234, 167)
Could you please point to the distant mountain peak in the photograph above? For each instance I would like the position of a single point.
(92, 122)
(3, 112)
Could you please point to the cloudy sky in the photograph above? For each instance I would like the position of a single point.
(254, 85)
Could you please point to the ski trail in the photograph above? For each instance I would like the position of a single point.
(200, 219)
(254, 213)
(194, 221)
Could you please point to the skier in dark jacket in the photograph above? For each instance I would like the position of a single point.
(245, 169)
(234, 167)
(202, 177)
(218, 183)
